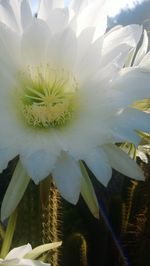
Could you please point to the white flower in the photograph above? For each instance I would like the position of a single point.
(16, 257)
(141, 152)
(64, 96)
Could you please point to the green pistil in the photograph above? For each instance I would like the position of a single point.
(48, 97)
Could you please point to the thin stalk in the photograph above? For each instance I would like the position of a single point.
(9, 235)
(2, 232)
(116, 241)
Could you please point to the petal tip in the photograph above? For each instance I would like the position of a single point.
(96, 215)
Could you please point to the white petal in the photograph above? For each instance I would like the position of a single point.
(84, 41)
(68, 48)
(117, 56)
(6, 154)
(7, 14)
(125, 125)
(99, 165)
(78, 5)
(118, 42)
(130, 57)
(58, 20)
(80, 137)
(133, 83)
(39, 164)
(58, 4)
(46, 6)
(9, 57)
(121, 133)
(142, 50)
(108, 72)
(134, 119)
(26, 14)
(44, 9)
(16, 14)
(129, 35)
(143, 157)
(90, 62)
(120, 161)
(101, 26)
(15, 191)
(19, 252)
(67, 176)
(93, 14)
(145, 62)
(66, 56)
(34, 42)
(38, 251)
(115, 28)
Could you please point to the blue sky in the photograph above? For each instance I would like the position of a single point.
(35, 4)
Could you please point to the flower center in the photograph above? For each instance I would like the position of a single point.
(48, 97)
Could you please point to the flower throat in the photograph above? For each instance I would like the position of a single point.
(47, 96)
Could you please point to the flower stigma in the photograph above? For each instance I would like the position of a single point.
(47, 96)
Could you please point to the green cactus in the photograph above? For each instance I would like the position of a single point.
(76, 249)
(51, 219)
(28, 228)
(127, 206)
